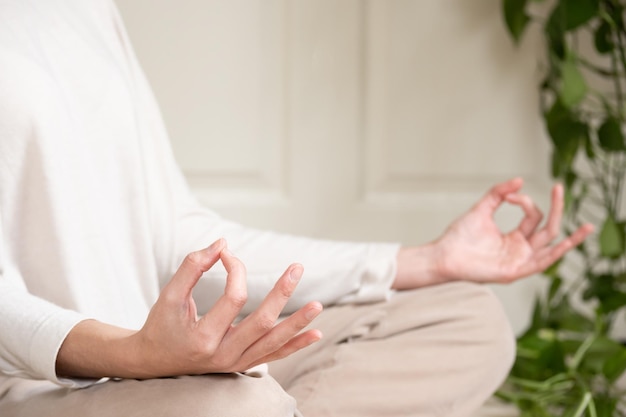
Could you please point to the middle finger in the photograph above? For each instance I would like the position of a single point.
(262, 320)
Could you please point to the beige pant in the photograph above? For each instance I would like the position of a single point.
(437, 351)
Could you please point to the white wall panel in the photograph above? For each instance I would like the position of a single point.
(218, 68)
(451, 106)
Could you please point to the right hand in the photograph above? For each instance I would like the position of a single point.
(175, 341)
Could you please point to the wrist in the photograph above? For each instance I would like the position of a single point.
(420, 266)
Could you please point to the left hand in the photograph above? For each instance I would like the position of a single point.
(473, 248)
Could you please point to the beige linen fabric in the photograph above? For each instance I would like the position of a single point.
(437, 351)
(224, 395)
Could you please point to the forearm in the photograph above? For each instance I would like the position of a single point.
(95, 350)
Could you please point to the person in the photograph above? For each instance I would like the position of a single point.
(108, 306)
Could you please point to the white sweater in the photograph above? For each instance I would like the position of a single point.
(95, 215)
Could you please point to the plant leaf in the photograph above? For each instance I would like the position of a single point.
(566, 16)
(599, 286)
(573, 85)
(613, 302)
(611, 238)
(603, 39)
(565, 316)
(515, 17)
(610, 135)
(555, 34)
(567, 134)
(537, 321)
(553, 270)
(613, 14)
(555, 285)
(539, 356)
(597, 355)
(564, 127)
(615, 365)
(605, 404)
(571, 14)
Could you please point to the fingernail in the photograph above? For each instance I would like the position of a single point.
(227, 252)
(295, 274)
(312, 312)
(216, 244)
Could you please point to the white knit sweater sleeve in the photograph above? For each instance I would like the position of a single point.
(335, 272)
(32, 329)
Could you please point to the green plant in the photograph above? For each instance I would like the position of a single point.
(567, 362)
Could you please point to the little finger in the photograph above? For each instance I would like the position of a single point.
(296, 343)
(282, 333)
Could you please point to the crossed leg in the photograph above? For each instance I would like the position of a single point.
(436, 351)
(224, 395)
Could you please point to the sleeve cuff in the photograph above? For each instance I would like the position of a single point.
(379, 273)
(46, 343)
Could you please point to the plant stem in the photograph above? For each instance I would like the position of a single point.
(583, 405)
(601, 71)
(598, 172)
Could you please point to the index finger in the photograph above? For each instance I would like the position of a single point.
(193, 266)
(496, 195)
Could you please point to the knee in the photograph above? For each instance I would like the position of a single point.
(489, 328)
(212, 395)
(247, 396)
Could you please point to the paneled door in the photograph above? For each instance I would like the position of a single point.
(346, 119)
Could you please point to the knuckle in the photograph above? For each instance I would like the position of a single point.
(194, 259)
(238, 268)
(207, 345)
(265, 323)
(553, 232)
(238, 298)
(525, 200)
(271, 347)
(210, 348)
(209, 352)
(222, 362)
(285, 291)
(169, 297)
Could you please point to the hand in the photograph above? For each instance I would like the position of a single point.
(473, 248)
(182, 343)
(175, 341)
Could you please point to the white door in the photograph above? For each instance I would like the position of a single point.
(347, 119)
